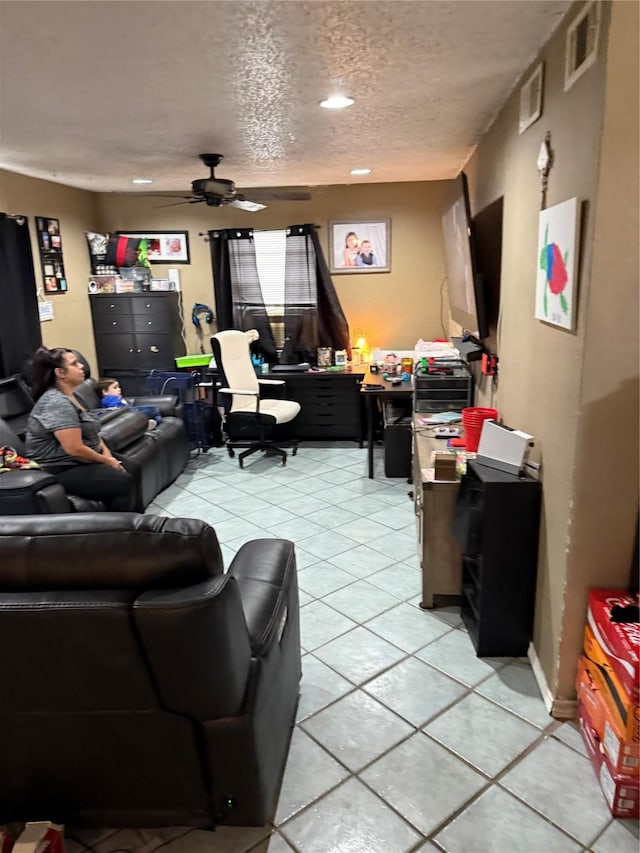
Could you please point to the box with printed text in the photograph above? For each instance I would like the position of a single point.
(624, 756)
(612, 616)
(625, 712)
(622, 793)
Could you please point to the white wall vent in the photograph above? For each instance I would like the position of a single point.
(531, 99)
(581, 48)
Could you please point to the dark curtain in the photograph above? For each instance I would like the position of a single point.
(300, 295)
(313, 315)
(330, 326)
(20, 332)
(236, 287)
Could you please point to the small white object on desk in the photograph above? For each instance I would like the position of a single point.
(503, 448)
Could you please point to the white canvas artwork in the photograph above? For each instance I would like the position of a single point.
(556, 282)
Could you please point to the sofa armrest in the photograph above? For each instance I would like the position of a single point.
(121, 431)
(265, 571)
(197, 645)
(169, 405)
(30, 490)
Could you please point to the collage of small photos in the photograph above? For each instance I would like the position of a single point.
(50, 245)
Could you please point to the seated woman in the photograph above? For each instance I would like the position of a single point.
(64, 438)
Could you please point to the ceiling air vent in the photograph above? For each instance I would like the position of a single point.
(531, 99)
(582, 43)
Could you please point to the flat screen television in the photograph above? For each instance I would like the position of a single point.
(464, 280)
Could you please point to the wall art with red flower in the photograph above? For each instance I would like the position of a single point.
(556, 283)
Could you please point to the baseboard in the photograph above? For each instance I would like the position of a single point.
(538, 674)
(564, 709)
(558, 707)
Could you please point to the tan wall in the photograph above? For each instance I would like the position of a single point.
(605, 503)
(393, 309)
(76, 211)
(545, 372)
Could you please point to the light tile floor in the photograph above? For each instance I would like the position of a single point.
(405, 740)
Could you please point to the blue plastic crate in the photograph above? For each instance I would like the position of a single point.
(181, 384)
(197, 418)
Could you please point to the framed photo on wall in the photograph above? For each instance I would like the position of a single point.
(51, 260)
(358, 246)
(165, 247)
(557, 273)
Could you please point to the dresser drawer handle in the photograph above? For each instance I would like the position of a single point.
(114, 323)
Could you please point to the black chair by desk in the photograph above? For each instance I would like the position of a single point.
(250, 420)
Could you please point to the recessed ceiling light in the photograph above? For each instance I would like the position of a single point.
(337, 102)
(361, 171)
(141, 181)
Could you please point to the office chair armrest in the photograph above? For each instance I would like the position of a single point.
(238, 391)
(270, 381)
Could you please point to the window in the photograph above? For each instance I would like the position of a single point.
(282, 265)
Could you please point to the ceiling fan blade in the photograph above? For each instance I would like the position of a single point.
(244, 204)
(176, 203)
(159, 195)
(278, 195)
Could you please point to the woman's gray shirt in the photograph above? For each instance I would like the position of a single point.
(55, 411)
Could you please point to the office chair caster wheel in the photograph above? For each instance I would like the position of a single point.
(241, 461)
(231, 452)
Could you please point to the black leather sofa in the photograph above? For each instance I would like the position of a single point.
(157, 456)
(144, 686)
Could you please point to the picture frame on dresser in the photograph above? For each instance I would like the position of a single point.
(164, 247)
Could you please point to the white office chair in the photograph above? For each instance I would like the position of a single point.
(245, 411)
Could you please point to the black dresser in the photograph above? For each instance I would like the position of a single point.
(330, 404)
(135, 333)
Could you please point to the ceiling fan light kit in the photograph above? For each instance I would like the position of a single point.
(217, 192)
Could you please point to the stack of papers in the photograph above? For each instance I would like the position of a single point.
(435, 349)
(442, 418)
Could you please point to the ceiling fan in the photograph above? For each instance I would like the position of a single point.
(217, 192)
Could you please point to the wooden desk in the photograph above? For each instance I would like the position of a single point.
(434, 503)
(384, 391)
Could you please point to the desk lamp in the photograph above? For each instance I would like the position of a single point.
(360, 351)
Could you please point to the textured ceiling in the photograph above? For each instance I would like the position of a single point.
(93, 94)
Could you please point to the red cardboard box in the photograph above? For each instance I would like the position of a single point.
(622, 793)
(621, 708)
(6, 841)
(40, 837)
(624, 757)
(619, 640)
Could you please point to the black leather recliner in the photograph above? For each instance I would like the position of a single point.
(144, 686)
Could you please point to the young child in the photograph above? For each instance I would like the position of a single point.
(110, 394)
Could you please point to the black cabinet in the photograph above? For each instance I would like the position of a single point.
(496, 522)
(135, 333)
(330, 404)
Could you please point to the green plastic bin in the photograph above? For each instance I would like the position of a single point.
(193, 360)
